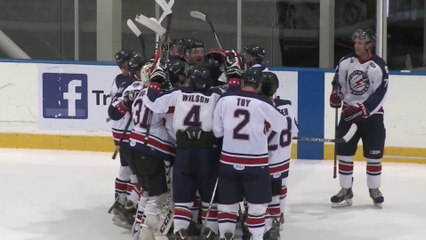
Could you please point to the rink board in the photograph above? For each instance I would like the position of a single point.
(54, 105)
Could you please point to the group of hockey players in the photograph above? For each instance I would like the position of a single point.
(204, 144)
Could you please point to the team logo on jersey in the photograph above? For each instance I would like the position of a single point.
(358, 82)
(239, 167)
(64, 95)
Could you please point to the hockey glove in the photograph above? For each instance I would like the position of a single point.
(233, 64)
(129, 97)
(355, 113)
(336, 99)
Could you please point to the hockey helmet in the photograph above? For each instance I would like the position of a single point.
(367, 35)
(269, 84)
(176, 68)
(199, 78)
(253, 75)
(177, 48)
(122, 57)
(135, 64)
(257, 52)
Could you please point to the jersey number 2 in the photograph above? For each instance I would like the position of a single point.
(237, 130)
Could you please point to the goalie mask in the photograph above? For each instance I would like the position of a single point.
(214, 61)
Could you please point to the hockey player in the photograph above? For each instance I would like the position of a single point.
(360, 82)
(151, 147)
(194, 51)
(253, 56)
(197, 149)
(177, 49)
(279, 156)
(126, 184)
(242, 118)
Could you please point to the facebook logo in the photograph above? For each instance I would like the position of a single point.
(64, 95)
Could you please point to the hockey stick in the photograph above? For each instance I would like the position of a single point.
(167, 7)
(336, 116)
(209, 208)
(201, 16)
(155, 26)
(138, 34)
(133, 27)
(348, 136)
(117, 147)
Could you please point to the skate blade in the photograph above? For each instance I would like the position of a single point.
(345, 203)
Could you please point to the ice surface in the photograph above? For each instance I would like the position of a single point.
(65, 195)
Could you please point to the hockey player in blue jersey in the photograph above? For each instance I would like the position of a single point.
(360, 83)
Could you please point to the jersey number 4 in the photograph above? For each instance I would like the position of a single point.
(193, 117)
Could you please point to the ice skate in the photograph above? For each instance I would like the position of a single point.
(208, 234)
(343, 198)
(120, 217)
(181, 234)
(272, 234)
(377, 197)
(228, 236)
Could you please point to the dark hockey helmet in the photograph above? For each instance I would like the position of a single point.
(269, 84)
(367, 35)
(253, 75)
(214, 62)
(135, 64)
(177, 48)
(199, 78)
(191, 43)
(122, 57)
(255, 51)
(176, 67)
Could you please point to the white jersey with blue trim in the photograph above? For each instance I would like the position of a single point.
(158, 142)
(119, 126)
(189, 108)
(280, 143)
(243, 120)
(362, 82)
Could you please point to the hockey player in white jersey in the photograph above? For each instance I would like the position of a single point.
(151, 148)
(360, 82)
(243, 118)
(197, 149)
(279, 146)
(126, 184)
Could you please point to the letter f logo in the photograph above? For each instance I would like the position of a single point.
(72, 96)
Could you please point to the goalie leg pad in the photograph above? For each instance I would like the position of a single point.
(159, 214)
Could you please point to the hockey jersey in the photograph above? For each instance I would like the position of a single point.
(243, 120)
(362, 82)
(190, 108)
(279, 143)
(121, 82)
(147, 122)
